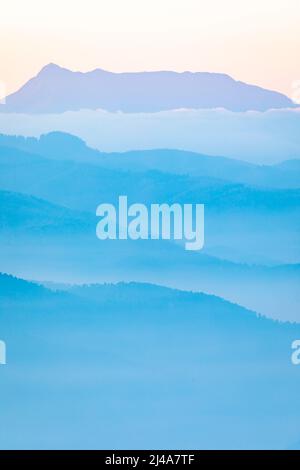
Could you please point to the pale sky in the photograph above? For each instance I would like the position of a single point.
(257, 41)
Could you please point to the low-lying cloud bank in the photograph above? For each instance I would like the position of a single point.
(268, 137)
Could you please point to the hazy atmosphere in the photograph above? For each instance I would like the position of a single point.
(255, 41)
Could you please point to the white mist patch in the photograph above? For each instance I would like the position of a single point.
(160, 222)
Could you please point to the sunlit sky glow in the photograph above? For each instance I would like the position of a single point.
(256, 41)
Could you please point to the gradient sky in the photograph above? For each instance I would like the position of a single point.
(257, 41)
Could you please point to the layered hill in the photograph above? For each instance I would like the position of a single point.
(150, 365)
(63, 146)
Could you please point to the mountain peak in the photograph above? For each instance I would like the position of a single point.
(52, 68)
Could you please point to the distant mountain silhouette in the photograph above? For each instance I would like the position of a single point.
(63, 146)
(56, 89)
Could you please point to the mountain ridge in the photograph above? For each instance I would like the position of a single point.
(63, 146)
(170, 361)
(75, 255)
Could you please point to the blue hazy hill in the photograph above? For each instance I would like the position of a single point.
(57, 145)
(62, 146)
(33, 215)
(80, 186)
(137, 365)
(239, 210)
(56, 90)
(48, 242)
(245, 226)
